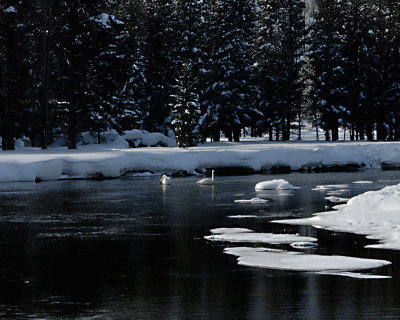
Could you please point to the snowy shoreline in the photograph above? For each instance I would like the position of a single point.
(374, 214)
(111, 161)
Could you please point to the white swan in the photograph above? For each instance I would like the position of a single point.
(165, 180)
(207, 180)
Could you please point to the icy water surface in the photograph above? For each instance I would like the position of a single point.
(132, 249)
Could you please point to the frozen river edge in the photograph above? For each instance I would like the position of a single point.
(111, 161)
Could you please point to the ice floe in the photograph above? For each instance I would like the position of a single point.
(355, 275)
(242, 216)
(303, 245)
(336, 192)
(335, 199)
(276, 184)
(374, 214)
(253, 201)
(229, 230)
(362, 182)
(326, 187)
(246, 235)
(297, 261)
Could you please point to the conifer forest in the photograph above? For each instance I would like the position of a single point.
(199, 68)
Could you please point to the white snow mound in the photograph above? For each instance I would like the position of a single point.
(142, 137)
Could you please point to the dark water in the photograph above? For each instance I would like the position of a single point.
(131, 249)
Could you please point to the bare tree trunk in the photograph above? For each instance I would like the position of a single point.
(45, 73)
(72, 127)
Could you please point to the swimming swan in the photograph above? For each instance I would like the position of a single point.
(165, 180)
(207, 180)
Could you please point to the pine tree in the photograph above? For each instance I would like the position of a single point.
(186, 109)
(279, 61)
(227, 94)
(17, 89)
(89, 68)
(328, 66)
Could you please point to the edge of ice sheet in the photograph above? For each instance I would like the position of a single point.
(297, 261)
(373, 213)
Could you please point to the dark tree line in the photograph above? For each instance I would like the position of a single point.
(199, 67)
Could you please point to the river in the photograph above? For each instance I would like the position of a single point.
(132, 249)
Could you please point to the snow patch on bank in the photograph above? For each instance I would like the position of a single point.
(374, 214)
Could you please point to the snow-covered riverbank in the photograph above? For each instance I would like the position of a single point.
(374, 214)
(30, 164)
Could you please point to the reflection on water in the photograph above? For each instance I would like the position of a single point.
(133, 249)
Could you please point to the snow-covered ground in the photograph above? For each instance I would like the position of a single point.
(375, 214)
(114, 159)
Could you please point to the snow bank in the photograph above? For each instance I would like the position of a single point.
(111, 160)
(246, 235)
(296, 261)
(276, 184)
(10, 9)
(142, 137)
(374, 213)
(111, 138)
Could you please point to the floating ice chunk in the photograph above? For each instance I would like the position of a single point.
(362, 182)
(296, 261)
(336, 192)
(240, 235)
(240, 216)
(276, 184)
(229, 230)
(330, 186)
(355, 275)
(303, 245)
(336, 199)
(254, 201)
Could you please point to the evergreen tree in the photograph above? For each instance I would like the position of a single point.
(279, 61)
(17, 88)
(186, 109)
(328, 66)
(229, 63)
(88, 66)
